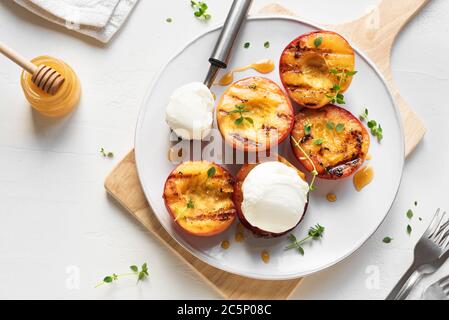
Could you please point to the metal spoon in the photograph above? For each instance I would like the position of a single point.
(222, 51)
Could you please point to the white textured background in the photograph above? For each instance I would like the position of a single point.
(55, 216)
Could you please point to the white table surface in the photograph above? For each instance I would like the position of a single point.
(59, 232)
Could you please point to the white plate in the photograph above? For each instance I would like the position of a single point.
(349, 221)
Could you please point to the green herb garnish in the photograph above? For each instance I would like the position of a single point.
(331, 126)
(200, 10)
(409, 229)
(314, 171)
(211, 172)
(307, 129)
(340, 127)
(106, 154)
(409, 213)
(140, 274)
(314, 233)
(372, 124)
(318, 142)
(266, 44)
(342, 76)
(246, 45)
(364, 115)
(318, 41)
(241, 109)
(190, 204)
(416, 203)
(387, 240)
(375, 128)
(169, 20)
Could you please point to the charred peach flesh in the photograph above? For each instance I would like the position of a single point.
(334, 139)
(254, 114)
(315, 67)
(198, 195)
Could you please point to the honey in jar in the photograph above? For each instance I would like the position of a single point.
(65, 99)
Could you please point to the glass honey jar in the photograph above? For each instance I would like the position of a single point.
(65, 99)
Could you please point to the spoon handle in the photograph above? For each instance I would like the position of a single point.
(223, 47)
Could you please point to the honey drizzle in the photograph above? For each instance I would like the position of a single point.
(261, 66)
(239, 235)
(265, 256)
(225, 244)
(331, 197)
(363, 177)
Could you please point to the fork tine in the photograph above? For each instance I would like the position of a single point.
(444, 235)
(446, 245)
(441, 227)
(441, 221)
(441, 230)
(434, 224)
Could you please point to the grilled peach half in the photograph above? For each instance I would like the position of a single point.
(198, 195)
(238, 199)
(254, 114)
(315, 67)
(332, 138)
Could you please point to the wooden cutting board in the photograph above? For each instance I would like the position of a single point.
(374, 33)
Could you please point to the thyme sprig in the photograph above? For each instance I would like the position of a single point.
(106, 154)
(200, 10)
(241, 109)
(342, 76)
(315, 232)
(375, 128)
(314, 172)
(141, 274)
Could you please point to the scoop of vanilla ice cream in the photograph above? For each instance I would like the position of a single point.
(274, 197)
(189, 112)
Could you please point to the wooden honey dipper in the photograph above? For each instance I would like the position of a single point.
(46, 78)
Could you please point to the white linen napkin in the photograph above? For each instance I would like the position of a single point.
(99, 19)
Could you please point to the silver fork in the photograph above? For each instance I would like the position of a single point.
(437, 291)
(430, 253)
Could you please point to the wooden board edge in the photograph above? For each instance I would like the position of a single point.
(107, 186)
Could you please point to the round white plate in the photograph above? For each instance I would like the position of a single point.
(349, 221)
